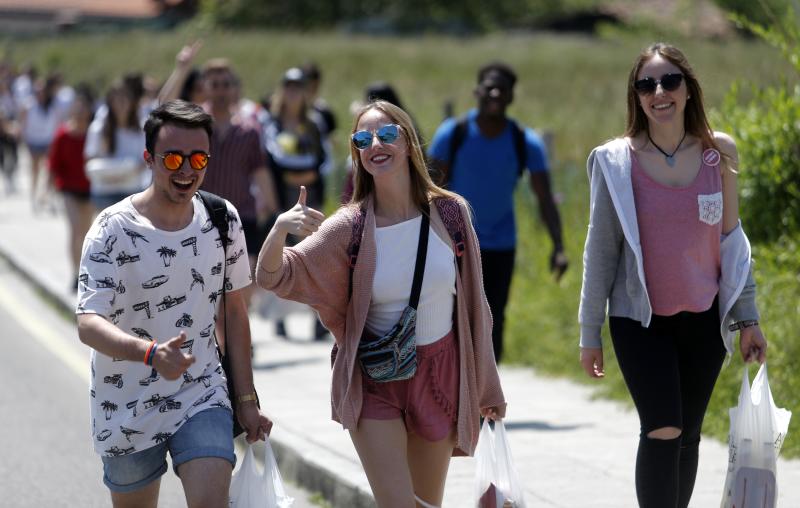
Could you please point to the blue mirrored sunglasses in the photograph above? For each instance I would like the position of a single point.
(386, 134)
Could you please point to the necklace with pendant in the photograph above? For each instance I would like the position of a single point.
(669, 156)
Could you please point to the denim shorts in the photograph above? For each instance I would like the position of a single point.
(208, 433)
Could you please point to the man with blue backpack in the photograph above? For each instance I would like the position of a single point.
(481, 156)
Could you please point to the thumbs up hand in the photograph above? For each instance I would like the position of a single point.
(300, 220)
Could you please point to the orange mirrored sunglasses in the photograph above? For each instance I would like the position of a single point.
(198, 160)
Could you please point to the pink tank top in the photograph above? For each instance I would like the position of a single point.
(679, 230)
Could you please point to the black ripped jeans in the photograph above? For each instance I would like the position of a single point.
(670, 368)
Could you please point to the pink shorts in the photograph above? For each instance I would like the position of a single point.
(428, 402)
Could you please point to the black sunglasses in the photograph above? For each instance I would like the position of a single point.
(669, 82)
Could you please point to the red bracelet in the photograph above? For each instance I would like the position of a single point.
(147, 353)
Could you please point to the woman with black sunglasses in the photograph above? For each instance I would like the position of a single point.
(666, 258)
(395, 275)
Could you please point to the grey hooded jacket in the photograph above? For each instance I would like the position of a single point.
(613, 271)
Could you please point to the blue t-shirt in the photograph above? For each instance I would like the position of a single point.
(485, 172)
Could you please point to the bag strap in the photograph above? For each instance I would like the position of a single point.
(448, 209)
(457, 139)
(450, 212)
(355, 244)
(218, 213)
(422, 255)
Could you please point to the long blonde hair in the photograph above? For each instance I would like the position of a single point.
(422, 187)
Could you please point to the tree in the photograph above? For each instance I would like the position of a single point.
(166, 254)
(109, 407)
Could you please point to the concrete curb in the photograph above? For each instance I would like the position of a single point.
(309, 467)
(299, 460)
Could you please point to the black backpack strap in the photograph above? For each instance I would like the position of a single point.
(520, 146)
(460, 134)
(450, 212)
(457, 139)
(218, 212)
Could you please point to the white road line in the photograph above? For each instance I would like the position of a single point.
(45, 335)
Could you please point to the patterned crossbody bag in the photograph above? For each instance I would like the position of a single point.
(393, 356)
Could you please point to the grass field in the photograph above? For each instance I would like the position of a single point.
(573, 86)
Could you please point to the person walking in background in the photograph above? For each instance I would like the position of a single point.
(296, 155)
(322, 115)
(481, 156)
(67, 168)
(239, 163)
(363, 270)
(113, 150)
(667, 257)
(39, 117)
(294, 143)
(9, 131)
(320, 111)
(147, 276)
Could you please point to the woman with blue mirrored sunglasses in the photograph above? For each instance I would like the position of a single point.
(395, 276)
(387, 134)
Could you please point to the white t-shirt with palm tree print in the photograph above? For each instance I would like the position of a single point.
(153, 284)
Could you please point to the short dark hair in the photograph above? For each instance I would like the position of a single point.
(311, 71)
(177, 112)
(502, 68)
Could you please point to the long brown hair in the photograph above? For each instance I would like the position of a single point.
(111, 122)
(695, 121)
(422, 187)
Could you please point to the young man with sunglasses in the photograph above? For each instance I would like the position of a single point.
(148, 294)
(481, 157)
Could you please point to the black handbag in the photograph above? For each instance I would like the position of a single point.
(218, 212)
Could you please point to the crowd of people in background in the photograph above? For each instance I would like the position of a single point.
(86, 147)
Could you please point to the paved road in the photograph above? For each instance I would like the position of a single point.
(47, 458)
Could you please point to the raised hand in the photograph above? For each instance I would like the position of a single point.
(300, 220)
(187, 53)
(169, 360)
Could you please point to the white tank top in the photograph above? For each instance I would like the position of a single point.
(394, 274)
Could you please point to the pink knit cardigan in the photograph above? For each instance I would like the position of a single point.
(315, 272)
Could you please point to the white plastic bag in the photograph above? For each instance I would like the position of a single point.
(758, 428)
(253, 489)
(496, 482)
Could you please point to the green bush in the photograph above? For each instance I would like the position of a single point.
(767, 130)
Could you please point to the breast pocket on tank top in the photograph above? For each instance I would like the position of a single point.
(710, 208)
